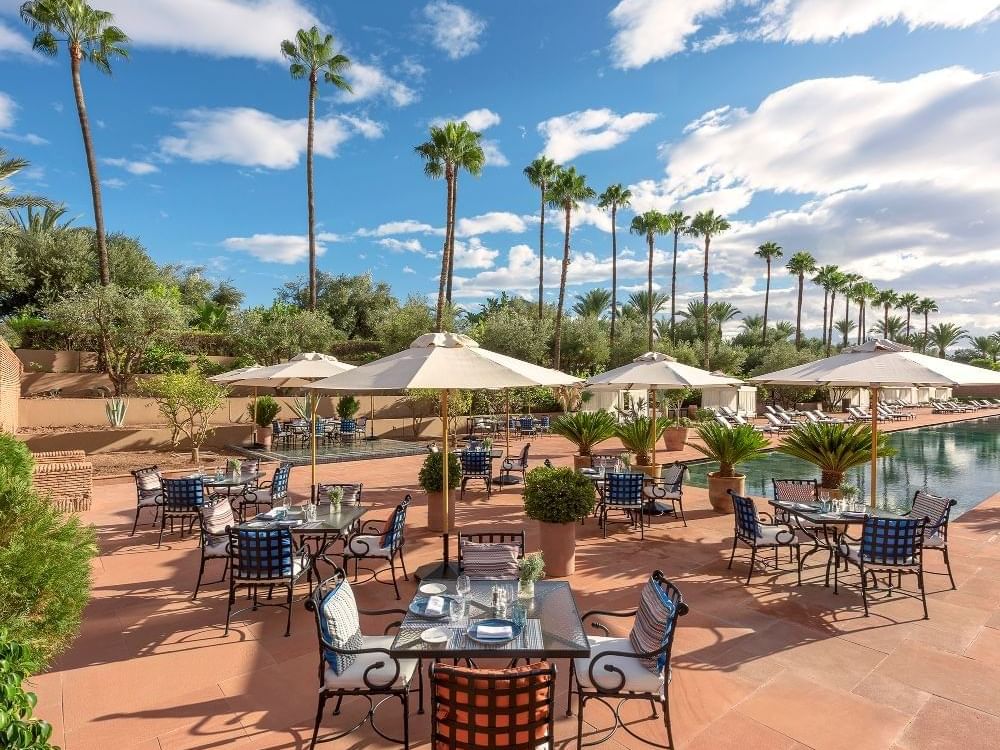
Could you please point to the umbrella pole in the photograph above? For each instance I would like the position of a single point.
(652, 425)
(874, 470)
(507, 429)
(371, 401)
(312, 446)
(253, 425)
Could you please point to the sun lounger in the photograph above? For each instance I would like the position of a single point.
(777, 424)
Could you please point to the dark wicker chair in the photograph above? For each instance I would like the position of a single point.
(749, 529)
(476, 464)
(937, 510)
(182, 501)
(216, 518)
(624, 492)
(148, 493)
(484, 709)
(519, 464)
(380, 540)
(364, 666)
(615, 670)
(668, 489)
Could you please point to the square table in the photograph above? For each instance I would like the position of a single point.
(553, 628)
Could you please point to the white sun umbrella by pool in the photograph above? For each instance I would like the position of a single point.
(655, 371)
(297, 372)
(231, 377)
(877, 364)
(445, 362)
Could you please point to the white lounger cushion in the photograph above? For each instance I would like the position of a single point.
(637, 677)
(354, 675)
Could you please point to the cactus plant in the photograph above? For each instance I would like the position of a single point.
(116, 408)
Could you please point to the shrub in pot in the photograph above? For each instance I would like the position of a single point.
(264, 410)
(834, 449)
(347, 407)
(730, 446)
(558, 497)
(638, 435)
(584, 429)
(431, 479)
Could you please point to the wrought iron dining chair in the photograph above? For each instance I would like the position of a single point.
(526, 426)
(544, 424)
(361, 427)
(182, 501)
(148, 493)
(669, 488)
(606, 461)
(636, 667)
(380, 540)
(485, 709)
(490, 554)
(624, 492)
(216, 517)
(265, 557)
(348, 430)
(280, 435)
(749, 529)
(354, 664)
(519, 464)
(267, 493)
(887, 545)
(476, 464)
(937, 509)
(794, 491)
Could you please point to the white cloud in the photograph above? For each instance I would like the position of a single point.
(252, 138)
(454, 30)
(371, 82)
(274, 248)
(133, 167)
(408, 269)
(8, 108)
(648, 30)
(493, 221)
(400, 246)
(478, 119)
(13, 43)
(114, 183)
(568, 136)
(406, 226)
(474, 254)
(494, 156)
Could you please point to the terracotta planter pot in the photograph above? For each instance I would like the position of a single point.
(264, 437)
(580, 462)
(652, 470)
(675, 438)
(435, 501)
(718, 494)
(558, 545)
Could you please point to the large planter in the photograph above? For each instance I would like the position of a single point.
(675, 438)
(558, 545)
(718, 491)
(650, 470)
(264, 437)
(581, 462)
(831, 480)
(435, 511)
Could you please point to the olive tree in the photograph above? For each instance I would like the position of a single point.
(187, 401)
(279, 332)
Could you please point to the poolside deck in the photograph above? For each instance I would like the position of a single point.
(770, 665)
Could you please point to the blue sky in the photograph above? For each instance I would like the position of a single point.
(867, 133)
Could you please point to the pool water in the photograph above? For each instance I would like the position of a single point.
(959, 460)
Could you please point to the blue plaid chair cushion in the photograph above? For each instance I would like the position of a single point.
(475, 463)
(340, 626)
(891, 541)
(186, 494)
(348, 426)
(654, 623)
(747, 520)
(265, 554)
(624, 489)
(394, 528)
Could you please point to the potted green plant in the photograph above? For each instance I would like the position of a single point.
(263, 412)
(834, 449)
(638, 436)
(584, 429)
(432, 482)
(558, 497)
(530, 568)
(730, 446)
(347, 407)
(678, 430)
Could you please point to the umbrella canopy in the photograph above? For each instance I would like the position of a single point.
(296, 372)
(654, 370)
(233, 375)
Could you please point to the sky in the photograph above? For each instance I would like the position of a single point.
(864, 131)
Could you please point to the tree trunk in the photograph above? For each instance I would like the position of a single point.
(767, 301)
(927, 316)
(451, 233)
(885, 322)
(847, 318)
(557, 344)
(196, 455)
(798, 313)
(310, 198)
(614, 274)
(829, 338)
(831, 479)
(826, 300)
(439, 319)
(673, 294)
(649, 293)
(908, 323)
(75, 55)
(541, 258)
(704, 361)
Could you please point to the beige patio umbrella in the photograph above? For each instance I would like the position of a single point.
(876, 364)
(231, 377)
(655, 371)
(445, 362)
(297, 372)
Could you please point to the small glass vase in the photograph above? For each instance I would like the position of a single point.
(525, 589)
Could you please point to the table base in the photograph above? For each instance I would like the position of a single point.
(447, 572)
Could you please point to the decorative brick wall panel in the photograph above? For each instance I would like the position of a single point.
(10, 388)
(66, 477)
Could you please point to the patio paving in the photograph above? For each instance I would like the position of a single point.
(769, 665)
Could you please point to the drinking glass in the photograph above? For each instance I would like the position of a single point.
(519, 615)
(456, 608)
(463, 585)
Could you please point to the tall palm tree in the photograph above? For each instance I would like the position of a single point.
(943, 335)
(886, 299)
(782, 330)
(823, 277)
(678, 221)
(907, 302)
(452, 147)
(11, 202)
(889, 328)
(614, 197)
(864, 291)
(638, 306)
(90, 35)
(799, 265)
(309, 55)
(925, 307)
(838, 283)
(768, 251)
(721, 313)
(593, 303)
(707, 224)
(540, 173)
(844, 327)
(849, 287)
(649, 225)
(566, 191)
(987, 349)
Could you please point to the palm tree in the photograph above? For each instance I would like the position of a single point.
(838, 283)
(751, 326)
(721, 313)
(678, 221)
(943, 335)
(907, 302)
(565, 192)
(309, 55)
(540, 173)
(844, 327)
(890, 328)
(696, 313)
(9, 201)
(616, 196)
(41, 222)
(782, 330)
(650, 224)
(768, 251)
(864, 291)
(887, 299)
(637, 305)
(707, 224)
(452, 147)
(823, 278)
(799, 265)
(849, 287)
(925, 307)
(90, 36)
(593, 303)
(987, 350)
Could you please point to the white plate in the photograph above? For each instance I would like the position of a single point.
(433, 589)
(434, 635)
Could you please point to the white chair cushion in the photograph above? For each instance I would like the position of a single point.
(368, 545)
(854, 555)
(149, 499)
(354, 675)
(217, 547)
(768, 536)
(637, 677)
(300, 561)
(935, 541)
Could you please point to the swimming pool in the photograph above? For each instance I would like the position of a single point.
(959, 460)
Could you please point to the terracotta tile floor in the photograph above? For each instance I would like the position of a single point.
(770, 665)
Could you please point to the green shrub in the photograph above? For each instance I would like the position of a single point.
(15, 458)
(585, 429)
(19, 730)
(833, 448)
(264, 410)
(558, 495)
(430, 473)
(638, 436)
(161, 360)
(347, 407)
(730, 446)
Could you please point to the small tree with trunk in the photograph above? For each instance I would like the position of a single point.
(187, 401)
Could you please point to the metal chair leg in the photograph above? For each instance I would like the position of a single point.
(319, 718)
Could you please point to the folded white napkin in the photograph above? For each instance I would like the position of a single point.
(494, 631)
(268, 514)
(434, 606)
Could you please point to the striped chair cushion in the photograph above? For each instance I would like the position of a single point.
(148, 482)
(340, 626)
(217, 517)
(489, 560)
(653, 624)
